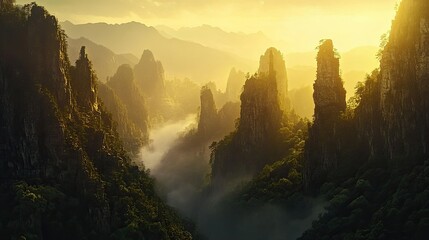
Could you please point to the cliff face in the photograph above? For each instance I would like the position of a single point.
(47, 54)
(64, 172)
(391, 116)
(255, 142)
(329, 94)
(323, 145)
(279, 68)
(405, 83)
(392, 113)
(383, 196)
(260, 115)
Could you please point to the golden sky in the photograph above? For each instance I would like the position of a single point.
(299, 24)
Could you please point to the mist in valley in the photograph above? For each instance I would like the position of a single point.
(214, 120)
(179, 160)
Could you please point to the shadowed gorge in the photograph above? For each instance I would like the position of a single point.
(119, 130)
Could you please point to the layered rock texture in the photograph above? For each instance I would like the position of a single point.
(379, 187)
(65, 174)
(404, 85)
(390, 121)
(329, 96)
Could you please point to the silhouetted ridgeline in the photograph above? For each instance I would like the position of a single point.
(105, 62)
(121, 89)
(64, 173)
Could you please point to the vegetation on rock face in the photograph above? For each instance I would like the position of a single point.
(380, 188)
(65, 174)
(368, 158)
(323, 143)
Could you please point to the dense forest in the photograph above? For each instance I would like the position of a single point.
(250, 167)
(65, 173)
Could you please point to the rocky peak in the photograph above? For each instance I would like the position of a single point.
(272, 61)
(149, 75)
(329, 94)
(47, 54)
(147, 56)
(208, 112)
(84, 82)
(323, 144)
(125, 87)
(260, 116)
(125, 74)
(255, 142)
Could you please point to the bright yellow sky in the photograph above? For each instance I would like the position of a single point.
(297, 24)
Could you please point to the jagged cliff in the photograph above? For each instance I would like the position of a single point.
(390, 118)
(121, 90)
(279, 67)
(384, 138)
(404, 85)
(64, 172)
(323, 145)
(84, 82)
(255, 142)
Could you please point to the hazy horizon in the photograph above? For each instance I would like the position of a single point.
(295, 26)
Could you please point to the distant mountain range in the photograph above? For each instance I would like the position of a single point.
(180, 58)
(249, 46)
(203, 53)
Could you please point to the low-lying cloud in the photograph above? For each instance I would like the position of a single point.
(180, 164)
